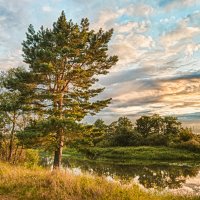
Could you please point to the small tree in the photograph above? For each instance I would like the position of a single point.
(15, 110)
(121, 132)
(64, 63)
(171, 125)
(14, 115)
(98, 132)
(144, 126)
(157, 130)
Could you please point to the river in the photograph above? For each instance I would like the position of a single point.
(174, 177)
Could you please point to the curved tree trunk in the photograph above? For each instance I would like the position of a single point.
(12, 138)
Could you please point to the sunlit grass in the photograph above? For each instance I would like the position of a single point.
(35, 184)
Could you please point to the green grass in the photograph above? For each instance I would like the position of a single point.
(19, 183)
(131, 154)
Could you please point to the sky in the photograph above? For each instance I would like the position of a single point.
(157, 42)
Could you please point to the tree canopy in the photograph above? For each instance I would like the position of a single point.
(151, 130)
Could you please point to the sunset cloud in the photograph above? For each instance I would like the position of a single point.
(158, 44)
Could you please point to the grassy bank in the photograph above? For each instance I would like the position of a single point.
(18, 183)
(128, 154)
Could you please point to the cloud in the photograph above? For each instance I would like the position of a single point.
(178, 35)
(192, 48)
(134, 46)
(124, 76)
(172, 49)
(137, 27)
(153, 73)
(12, 18)
(105, 19)
(11, 59)
(47, 8)
(108, 17)
(130, 47)
(158, 45)
(139, 9)
(177, 4)
(135, 96)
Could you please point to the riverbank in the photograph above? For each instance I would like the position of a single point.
(133, 154)
(19, 183)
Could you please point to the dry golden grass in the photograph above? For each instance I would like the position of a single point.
(39, 184)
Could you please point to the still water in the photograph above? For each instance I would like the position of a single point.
(174, 177)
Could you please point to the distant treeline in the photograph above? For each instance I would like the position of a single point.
(152, 130)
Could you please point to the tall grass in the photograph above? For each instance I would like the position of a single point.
(39, 184)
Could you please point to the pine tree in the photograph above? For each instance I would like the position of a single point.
(64, 63)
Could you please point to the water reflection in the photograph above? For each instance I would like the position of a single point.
(150, 176)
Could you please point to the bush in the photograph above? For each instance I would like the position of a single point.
(105, 143)
(89, 153)
(31, 158)
(122, 139)
(157, 140)
(186, 134)
(191, 145)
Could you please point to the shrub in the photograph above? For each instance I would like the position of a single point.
(124, 139)
(31, 158)
(157, 140)
(191, 145)
(186, 134)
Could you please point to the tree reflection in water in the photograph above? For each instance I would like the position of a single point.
(150, 176)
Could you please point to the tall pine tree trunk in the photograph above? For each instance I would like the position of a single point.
(58, 154)
(60, 139)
